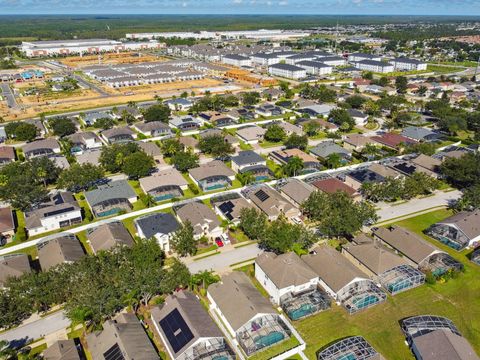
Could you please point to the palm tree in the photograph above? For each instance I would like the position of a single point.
(293, 166)
(334, 160)
(246, 178)
(205, 279)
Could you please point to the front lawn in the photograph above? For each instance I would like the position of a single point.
(458, 299)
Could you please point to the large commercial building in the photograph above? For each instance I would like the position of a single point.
(374, 65)
(408, 64)
(287, 71)
(84, 46)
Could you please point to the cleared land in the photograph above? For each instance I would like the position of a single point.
(457, 299)
(113, 58)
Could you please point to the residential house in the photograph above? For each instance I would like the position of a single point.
(189, 143)
(428, 163)
(13, 266)
(272, 203)
(212, 176)
(315, 110)
(111, 198)
(420, 134)
(356, 178)
(84, 141)
(91, 117)
(359, 117)
(187, 330)
(393, 140)
(160, 226)
(153, 128)
(296, 191)
(119, 135)
(7, 155)
(203, 219)
(290, 128)
(89, 157)
(458, 231)
(230, 209)
(108, 236)
(164, 185)
(326, 148)
(152, 149)
(310, 163)
(179, 104)
(7, 224)
(356, 142)
(122, 337)
(63, 249)
(62, 350)
(251, 134)
(249, 161)
(45, 147)
(268, 110)
(332, 185)
(185, 123)
(59, 211)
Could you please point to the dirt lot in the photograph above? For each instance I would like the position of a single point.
(121, 58)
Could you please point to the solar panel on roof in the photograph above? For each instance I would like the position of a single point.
(262, 195)
(114, 353)
(226, 208)
(176, 330)
(60, 211)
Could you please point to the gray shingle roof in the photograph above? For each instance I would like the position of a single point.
(158, 223)
(247, 157)
(119, 189)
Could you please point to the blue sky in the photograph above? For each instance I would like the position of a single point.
(351, 7)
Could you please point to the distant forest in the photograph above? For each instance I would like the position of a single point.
(14, 28)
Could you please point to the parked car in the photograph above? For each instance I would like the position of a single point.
(219, 242)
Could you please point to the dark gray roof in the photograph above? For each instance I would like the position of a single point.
(159, 223)
(409, 61)
(247, 157)
(419, 133)
(443, 344)
(13, 265)
(58, 251)
(374, 63)
(235, 57)
(326, 148)
(314, 64)
(119, 189)
(366, 175)
(287, 67)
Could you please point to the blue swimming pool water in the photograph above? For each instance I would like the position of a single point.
(302, 311)
(270, 339)
(361, 303)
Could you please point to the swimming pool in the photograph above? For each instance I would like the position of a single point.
(302, 311)
(269, 339)
(363, 302)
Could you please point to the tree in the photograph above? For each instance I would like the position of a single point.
(333, 161)
(470, 199)
(245, 178)
(216, 146)
(356, 101)
(62, 126)
(295, 141)
(169, 147)
(401, 83)
(367, 75)
(183, 241)
(421, 148)
(113, 157)
(79, 176)
(341, 117)
(463, 172)
(338, 214)
(311, 128)
(159, 112)
(185, 160)
(252, 222)
(138, 165)
(274, 133)
(250, 98)
(204, 278)
(371, 108)
(127, 117)
(293, 166)
(21, 131)
(104, 123)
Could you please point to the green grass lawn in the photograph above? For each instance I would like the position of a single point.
(276, 349)
(458, 299)
(443, 69)
(82, 236)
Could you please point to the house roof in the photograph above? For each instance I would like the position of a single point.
(406, 242)
(392, 140)
(162, 178)
(357, 140)
(326, 148)
(418, 133)
(286, 67)
(58, 251)
(252, 132)
(297, 190)
(13, 265)
(365, 175)
(150, 148)
(198, 214)
(443, 344)
(124, 130)
(238, 300)
(376, 257)
(332, 185)
(247, 157)
(285, 270)
(157, 223)
(119, 189)
(270, 201)
(213, 168)
(81, 137)
(62, 350)
(125, 333)
(107, 236)
(383, 170)
(231, 208)
(332, 267)
(152, 126)
(199, 323)
(49, 143)
(466, 221)
(188, 141)
(427, 162)
(7, 152)
(6, 219)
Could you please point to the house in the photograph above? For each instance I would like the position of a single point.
(230, 139)
(408, 168)
(272, 94)
(119, 135)
(332, 185)
(122, 337)
(343, 281)
(62, 350)
(419, 253)
(164, 185)
(7, 155)
(433, 337)
(272, 203)
(382, 264)
(356, 178)
(356, 142)
(109, 235)
(230, 209)
(63, 249)
(316, 110)
(290, 128)
(160, 226)
(420, 134)
(212, 176)
(287, 71)
(13, 266)
(89, 157)
(310, 163)
(41, 131)
(283, 274)
(111, 198)
(179, 104)
(203, 219)
(458, 231)
(384, 171)
(82, 141)
(91, 117)
(268, 110)
(251, 134)
(246, 314)
(43, 147)
(59, 211)
(152, 149)
(374, 66)
(185, 123)
(327, 148)
(296, 191)
(359, 117)
(189, 143)
(249, 161)
(187, 330)
(405, 64)
(153, 128)
(428, 163)
(7, 224)
(392, 140)
(315, 67)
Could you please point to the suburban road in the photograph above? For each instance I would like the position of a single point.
(8, 95)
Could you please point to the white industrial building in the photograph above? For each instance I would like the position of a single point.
(236, 60)
(287, 71)
(408, 64)
(374, 66)
(83, 46)
(315, 67)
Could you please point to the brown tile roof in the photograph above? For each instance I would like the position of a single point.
(333, 185)
(392, 140)
(6, 219)
(7, 153)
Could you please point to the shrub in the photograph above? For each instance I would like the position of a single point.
(21, 234)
